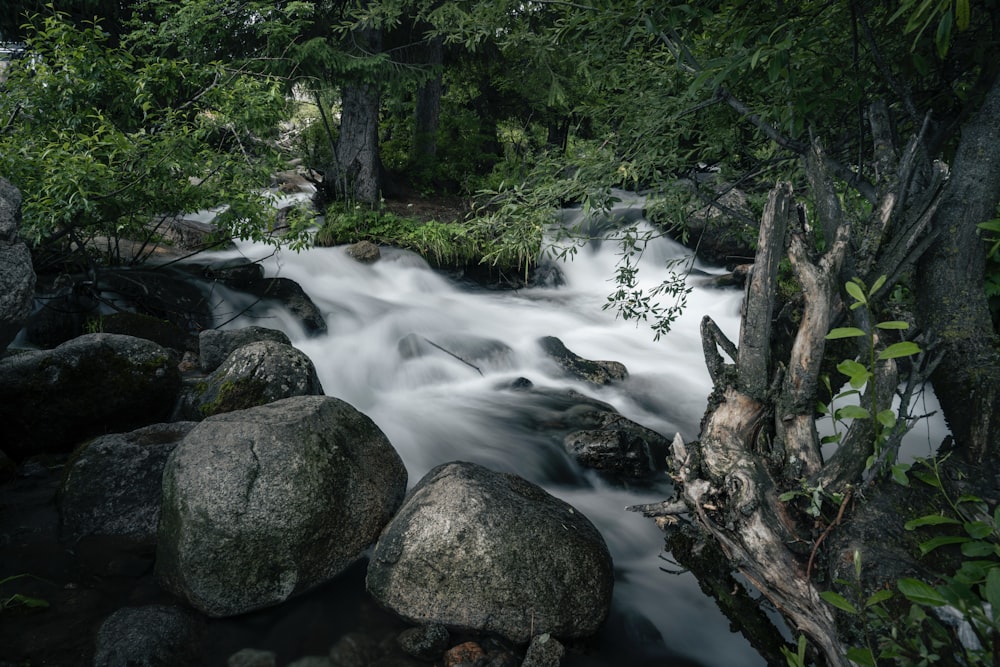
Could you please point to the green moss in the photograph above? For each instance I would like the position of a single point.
(232, 395)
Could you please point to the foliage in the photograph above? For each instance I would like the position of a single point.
(15, 600)
(859, 373)
(100, 140)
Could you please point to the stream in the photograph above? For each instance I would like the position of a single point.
(437, 407)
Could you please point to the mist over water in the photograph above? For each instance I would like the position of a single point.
(436, 407)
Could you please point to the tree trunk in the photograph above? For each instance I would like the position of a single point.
(952, 303)
(427, 115)
(358, 168)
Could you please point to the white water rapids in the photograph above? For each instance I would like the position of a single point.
(436, 408)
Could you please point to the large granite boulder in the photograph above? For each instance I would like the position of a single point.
(478, 550)
(215, 345)
(113, 484)
(17, 278)
(265, 503)
(255, 374)
(52, 400)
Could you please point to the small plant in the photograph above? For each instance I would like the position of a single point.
(16, 600)
(859, 373)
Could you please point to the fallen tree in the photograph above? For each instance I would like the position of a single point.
(759, 445)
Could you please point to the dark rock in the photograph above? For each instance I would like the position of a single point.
(355, 649)
(478, 550)
(615, 444)
(161, 332)
(468, 653)
(262, 504)
(52, 400)
(149, 636)
(291, 295)
(254, 374)
(595, 372)
(161, 293)
(17, 277)
(113, 485)
(214, 345)
(251, 657)
(426, 642)
(236, 274)
(365, 252)
(544, 651)
(313, 661)
(723, 232)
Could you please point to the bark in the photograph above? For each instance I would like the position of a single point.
(357, 173)
(951, 301)
(427, 115)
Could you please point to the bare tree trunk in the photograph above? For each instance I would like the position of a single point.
(427, 115)
(951, 301)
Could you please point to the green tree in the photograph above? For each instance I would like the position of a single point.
(102, 142)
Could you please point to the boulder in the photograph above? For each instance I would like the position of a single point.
(262, 504)
(472, 549)
(365, 252)
(614, 444)
(148, 636)
(426, 642)
(291, 295)
(214, 345)
(52, 400)
(255, 374)
(17, 277)
(595, 372)
(113, 484)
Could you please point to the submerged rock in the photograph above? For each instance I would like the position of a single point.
(478, 550)
(594, 372)
(262, 504)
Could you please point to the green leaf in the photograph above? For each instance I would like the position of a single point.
(857, 374)
(893, 324)
(861, 656)
(27, 601)
(992, 590)
(978, 529)
(839, 601)
(927, 478)
(877, 597)
(857, 292)
(828, 439)
(853, 412)
(878, 285)
(903, 349)
(919, 592)
(931, 520)
(886, 418)
(899, 474)
(845, 332)
(978, 549)
(788, 495)
(943, 540)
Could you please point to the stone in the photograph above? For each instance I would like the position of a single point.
(614, 444)
(17, 277)
(467, 653)
(148, 636)
(426, 642)
(599, 373)
(251, 657)
(254, 374)
(544, 651)
(112, 485)
(291, 295)
(214, 345)
(355, 649)
(478, 550)
(365, 252)
(52, 400)
(262, 504)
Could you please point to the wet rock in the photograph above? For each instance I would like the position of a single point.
(112, 486)
(161, 332)
(214, 345)
(355, 649)
(262, 504)
(17, 277)
(468, 653)
(250, 657)
(254, 374)
(365, 252)
(313, 661)
(52, 400)
(595, 372)
(291, 295)
(484, 551)
(427, 642)
(148, 636)
(544, 651)
(614, 444)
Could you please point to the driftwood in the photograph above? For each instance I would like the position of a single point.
(759, 436)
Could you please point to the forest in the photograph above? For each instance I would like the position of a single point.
(865, 135)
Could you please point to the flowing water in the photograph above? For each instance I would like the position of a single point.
(438, 407)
